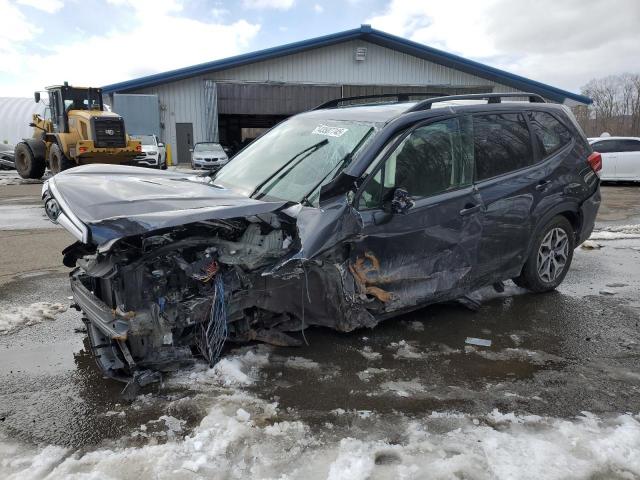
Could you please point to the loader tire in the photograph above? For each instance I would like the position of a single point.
(28, 165)
(58, 161)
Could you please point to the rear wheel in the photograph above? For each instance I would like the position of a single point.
(550, 257)
(58, 160)
(28, 165)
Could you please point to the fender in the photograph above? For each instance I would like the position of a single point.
(569, 205)
(37, 146)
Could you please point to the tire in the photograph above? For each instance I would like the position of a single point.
(28, 165)
(58, 162)
(550, 257)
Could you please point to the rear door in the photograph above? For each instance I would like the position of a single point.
(608, 149)
(429, 252)
(510, 186)
(628, 161)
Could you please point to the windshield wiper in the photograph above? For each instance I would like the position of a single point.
(308, 151)
(339, 166)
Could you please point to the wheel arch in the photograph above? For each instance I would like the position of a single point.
(568, 209)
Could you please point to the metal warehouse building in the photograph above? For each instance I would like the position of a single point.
(233, 99)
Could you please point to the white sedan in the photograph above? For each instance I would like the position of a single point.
(620, 157)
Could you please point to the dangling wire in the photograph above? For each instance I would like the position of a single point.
(216, 331)
(306, 287)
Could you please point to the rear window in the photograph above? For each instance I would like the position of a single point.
(629, 145)
(606, 146)
(501, 144)
(548, 132)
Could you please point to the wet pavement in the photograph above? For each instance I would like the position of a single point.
(552, 358)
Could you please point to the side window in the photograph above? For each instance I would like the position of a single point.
(629, 145)
(548, 132)
(501, 144)
(430, 160)
(606, 146)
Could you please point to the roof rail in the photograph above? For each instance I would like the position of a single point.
(401, 97)
(490, 97)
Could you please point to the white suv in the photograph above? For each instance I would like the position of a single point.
(154, 153)
(208, 156)
(620, 157)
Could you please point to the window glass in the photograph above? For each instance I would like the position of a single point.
(606, 146)
(548, 132)
(501, 144)
(629, 145)
(430, 160)
(294, 159)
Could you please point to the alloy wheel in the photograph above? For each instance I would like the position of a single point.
(553, 254)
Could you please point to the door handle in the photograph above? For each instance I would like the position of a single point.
(469, 209)
(543, 185)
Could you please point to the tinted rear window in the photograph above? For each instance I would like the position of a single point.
(629, 145)
(606, 146)
(501, 144)
(548, 132)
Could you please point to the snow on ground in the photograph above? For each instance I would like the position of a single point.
(618, 232)
(15, 318)
(242, 437)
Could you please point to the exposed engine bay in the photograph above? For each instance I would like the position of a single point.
(156, 301)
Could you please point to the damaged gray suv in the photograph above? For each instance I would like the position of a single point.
(342, 217)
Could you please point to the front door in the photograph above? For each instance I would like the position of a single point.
(427, 253)
(184, 141)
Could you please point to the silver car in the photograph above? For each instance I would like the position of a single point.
(208, 156)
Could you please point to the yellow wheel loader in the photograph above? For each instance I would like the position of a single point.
(75, 130)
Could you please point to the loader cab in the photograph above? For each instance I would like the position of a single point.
(64, 98)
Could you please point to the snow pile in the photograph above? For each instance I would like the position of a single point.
(618, 232)
(15, 318)
(241, 437)
(368, 353)
(535, 357)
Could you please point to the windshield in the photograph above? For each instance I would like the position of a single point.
(81, 100)
(208, 147)
(146, 139)
(294, 159)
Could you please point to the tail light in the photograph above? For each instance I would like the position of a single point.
(138, 148)
(82, 149)
(595, 162)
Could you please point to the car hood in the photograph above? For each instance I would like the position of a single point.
(115, 201)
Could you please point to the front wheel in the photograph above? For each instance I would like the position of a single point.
(27, 164)
(550, 257)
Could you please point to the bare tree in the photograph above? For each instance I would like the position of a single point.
(615, 108)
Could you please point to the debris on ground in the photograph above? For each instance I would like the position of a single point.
(607, 292)
(591, 245)
(480, 342)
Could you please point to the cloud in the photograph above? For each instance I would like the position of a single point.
(49, 6)
(562, 43)
(15, 29)
(158, 39)
(318, 8)
(265, 4)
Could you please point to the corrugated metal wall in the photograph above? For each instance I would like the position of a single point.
(15, 116)
(323, 71)
(141, 113)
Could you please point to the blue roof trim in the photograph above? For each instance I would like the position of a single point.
(365, 32)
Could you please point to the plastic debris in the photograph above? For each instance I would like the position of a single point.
(480, 342)
(607, 292)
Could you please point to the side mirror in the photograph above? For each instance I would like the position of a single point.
(36, 96)
(401, 201)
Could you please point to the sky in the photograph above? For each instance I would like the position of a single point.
(564, 43)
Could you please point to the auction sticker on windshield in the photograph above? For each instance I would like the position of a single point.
(329, 131)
